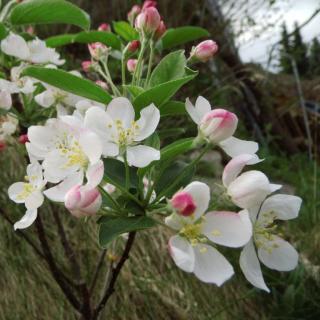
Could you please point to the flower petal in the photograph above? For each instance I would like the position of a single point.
(182, 253)
(284, 206)
(278, 254)
(141, 156)
(91, 145)
(193, 113)
(15, 45)
(35, 200)
(211, 266)
(234, 147)
(250, 267)
(228, 228)
(121, 109)
(200, 193)
(202, 106)
(95, 174)
(41, 137)
(15, 190)
(174, 221)
(235, 166)
(5, 100)
(148, 122)
(45, 99)
(27, 220)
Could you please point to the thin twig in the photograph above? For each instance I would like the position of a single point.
(97, 271)
(114, 276)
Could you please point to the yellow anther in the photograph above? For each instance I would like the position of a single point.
(216, 232)
(203, 250)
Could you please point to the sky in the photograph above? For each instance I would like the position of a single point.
(256, 49)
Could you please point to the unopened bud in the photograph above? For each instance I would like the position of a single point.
(204, 51)
(134, 46)
(148, 21)
(87, 66)
(102, 84)
(98, 50)
(23, 139)
(149, 4)
(133, 13)
(183, 203)
(104, 27)
(131, 65)
(160, 31)
(3, 145)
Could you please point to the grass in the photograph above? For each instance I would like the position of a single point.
(150, 286)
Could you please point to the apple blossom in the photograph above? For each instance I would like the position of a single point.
(191, 249)
(104, 27)
(133, 13)
(29, 193)
(6, 89)
(120, 133)
(274, 252)
(8, 126)
(23, 138)
(249, 188)
(133, 46)
(24, 84)
(218, 126)
(160, 31)
(148, 21)
(98, 50)
(34, 51)
(102, 84)
(204, 51)
(131, 65)
(86, 65)
(149, 4)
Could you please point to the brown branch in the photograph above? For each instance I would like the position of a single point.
(114, 276)
(97, 271)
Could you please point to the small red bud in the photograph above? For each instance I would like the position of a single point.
(134, 46)
(204, 50)
(104, 27)
(23, 139)
(160, 31)
(86, 66)
(3, 145)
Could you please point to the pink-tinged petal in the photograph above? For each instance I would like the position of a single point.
(92, 203)
(234, 147)
(121, 109)
(95, 174)
(278, 254)
(193, 113)
(235, 166)
(183, 203)
(59, 192)
(202, 106)
(249, 189)
(211, 266)
(148, 122)
(140, 156)
(182, 253)
(27, 220)
(283, 206)
(73, 198)
(250, 267)
(91, 145)
(228, 228)
(200, 193)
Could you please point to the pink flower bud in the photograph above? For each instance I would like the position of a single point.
(133, 13)
(23, 139)
(148, 21)
(149, 4)
(102, 84)
(3, 145)
(204, 50)
(30, 30)
(218, 125)
(104, 27)
(160, 31)
(134, 46)
(82, 201)
(183, 203)
(131, 64)
(98, 50)
(86, 66)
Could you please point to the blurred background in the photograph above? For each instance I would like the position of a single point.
(268, 72)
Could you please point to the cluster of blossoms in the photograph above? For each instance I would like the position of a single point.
(68, 155)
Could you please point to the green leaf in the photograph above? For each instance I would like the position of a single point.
(134, 90)
(172, 108)
(174, 177)
(112, 227)
(171, 67)
(125, 31)
(115, 173)
(69, 82)
(182, 35)
(49, 11)
(173, 150)
(107, 38)
(160, 94)
(3, 31)
(153, 141)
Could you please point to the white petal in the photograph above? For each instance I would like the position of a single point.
(228, 228)
(174, 221)
(91, 145)
(284, 206)
(34, 172)
(15, 45)
(148, 122)
(200, 193)
(234, 146)
(211, 266)
(235, 166)
(250, 267)
(95, 174)
(110, 149)
(121, 109)
(35, 153)
(193, 113)
(27, 220)
(202, 106)
(278, 254)
(41, 137)
(182, 253)
(141, 156)
(58, 192)
(5, 100)
(14, 190)
(275, 187)
(35, 200)
(45, 99)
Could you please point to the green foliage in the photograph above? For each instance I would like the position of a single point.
(178, 36)
(69, 82)
(285, 50)
(107, 38)
(314, 58)
(49, 11)
(173, 108)
(3, 31)
(125, 31)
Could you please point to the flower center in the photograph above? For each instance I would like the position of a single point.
(125, 136)
(28, 188)
(193, 232)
